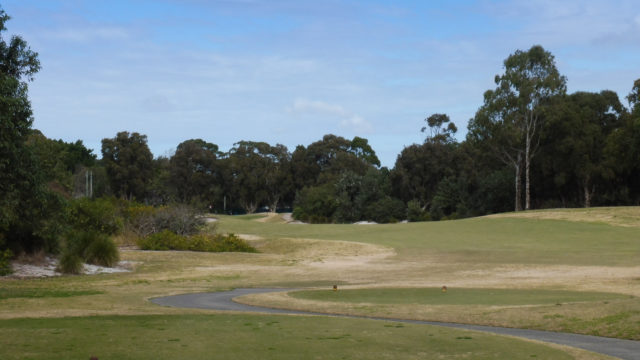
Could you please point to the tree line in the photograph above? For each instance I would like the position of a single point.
(529, 145)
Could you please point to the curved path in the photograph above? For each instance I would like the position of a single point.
(623, 349)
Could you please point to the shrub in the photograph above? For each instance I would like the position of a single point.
(70, 263)
(167, 240)
(5, 262)
(87, 246)
(232, 243)
(145, 220)
(164, 240)
(98, 215)
(102, 251)
(415, 212)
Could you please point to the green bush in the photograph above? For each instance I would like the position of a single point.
(87, 246)
(415, 212)
(5, 262)
(144, 220)
(167, 240)
(164, 240)
(97, 215)
(232, 243)
(101, 251)
(70, 263)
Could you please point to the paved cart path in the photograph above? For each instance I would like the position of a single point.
(623, 349)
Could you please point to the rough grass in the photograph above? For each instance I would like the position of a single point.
(455, 296)
(251, 337)
(617, 216)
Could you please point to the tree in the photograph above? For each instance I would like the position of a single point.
(325, 160)
(510, 118)
(194, 172)
(129, 164)
(634, 98)
(260, 174)
(437, 130)
(575, 136)
(22, 194)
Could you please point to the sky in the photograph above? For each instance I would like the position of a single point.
(291, 71)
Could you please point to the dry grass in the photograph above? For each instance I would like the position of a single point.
(615, 216)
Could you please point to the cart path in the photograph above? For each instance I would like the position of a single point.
(623, 349)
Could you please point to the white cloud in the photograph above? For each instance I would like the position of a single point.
(348, 120)
(357, 124)
(301, 106)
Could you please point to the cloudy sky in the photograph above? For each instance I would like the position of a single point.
(290, 71)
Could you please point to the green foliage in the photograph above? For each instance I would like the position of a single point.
(95, 215)
(386, 210)
(163, 240)
(88, 246)
(167, 240)
(194, 171)
(5, 262)
(101, 251)
(70, 263)
(129, 165)
(415, 212)
(315, 204)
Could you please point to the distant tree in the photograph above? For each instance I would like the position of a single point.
(260, 174)
(575, 136)
(325, 160)
(194, 173)
(361, 149)
(510, 118)
(437, 129)
(128, 162)
(634, 98)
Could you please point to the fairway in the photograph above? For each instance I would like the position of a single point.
(252, 337)
(434, 296)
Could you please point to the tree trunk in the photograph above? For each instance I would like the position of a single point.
(588, 193)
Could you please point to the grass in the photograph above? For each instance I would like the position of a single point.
(487, 240)
(12, 293)
(465, 296)
(251, 336)
(544, 256)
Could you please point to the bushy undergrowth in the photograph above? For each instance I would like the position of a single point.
(144, 220)
(5, 262)
(167, 240)
(87, 246)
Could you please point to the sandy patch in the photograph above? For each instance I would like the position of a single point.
(47, 267)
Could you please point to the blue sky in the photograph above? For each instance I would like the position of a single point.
(290, 71)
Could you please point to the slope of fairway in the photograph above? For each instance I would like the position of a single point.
(489, 240)
(254, 337)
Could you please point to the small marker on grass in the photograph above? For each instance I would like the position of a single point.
(444, 288)
(335, 287)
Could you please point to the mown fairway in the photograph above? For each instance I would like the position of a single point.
(565, 275)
